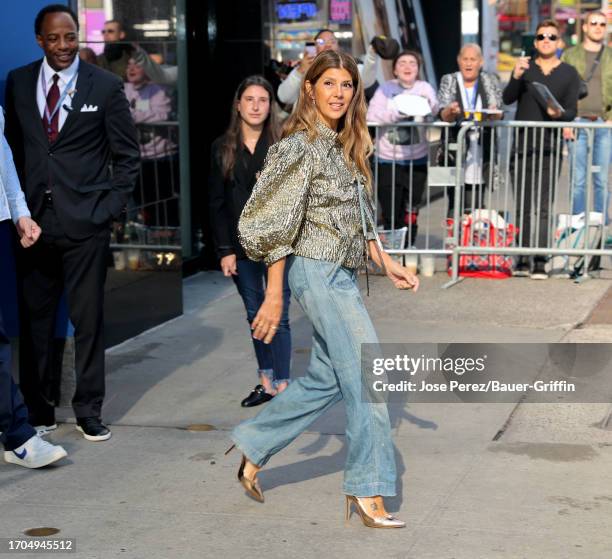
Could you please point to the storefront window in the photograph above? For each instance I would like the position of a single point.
(291, 23)
(139, 45)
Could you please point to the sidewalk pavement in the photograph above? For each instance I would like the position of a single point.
(161, 487)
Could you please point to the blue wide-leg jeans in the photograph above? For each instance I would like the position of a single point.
(330, 297)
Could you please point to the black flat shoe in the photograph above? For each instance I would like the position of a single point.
(256, 397)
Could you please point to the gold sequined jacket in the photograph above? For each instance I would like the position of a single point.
(307, 202)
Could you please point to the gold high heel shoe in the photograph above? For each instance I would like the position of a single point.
(251, 486)
(387, 521)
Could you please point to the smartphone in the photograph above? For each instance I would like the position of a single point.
(311, 48)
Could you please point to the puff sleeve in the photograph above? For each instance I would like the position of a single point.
(273, 215)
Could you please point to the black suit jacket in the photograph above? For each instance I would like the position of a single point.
(87, 194)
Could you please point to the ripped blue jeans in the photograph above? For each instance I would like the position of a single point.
(333, 303)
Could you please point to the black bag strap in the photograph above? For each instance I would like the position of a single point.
(595, 63)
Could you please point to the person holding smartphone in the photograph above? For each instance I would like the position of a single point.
(289, 90)
(538, 150)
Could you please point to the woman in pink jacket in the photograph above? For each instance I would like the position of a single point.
(404, 146)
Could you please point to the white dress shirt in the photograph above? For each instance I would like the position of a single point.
(64, 79)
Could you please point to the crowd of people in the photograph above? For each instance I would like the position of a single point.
(286, 217)
(473, 94)
(402, 153)
(150, 89)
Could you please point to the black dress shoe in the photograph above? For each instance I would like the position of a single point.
(93, 429)
(256, 397)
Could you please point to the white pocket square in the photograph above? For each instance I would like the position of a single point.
(89, 108)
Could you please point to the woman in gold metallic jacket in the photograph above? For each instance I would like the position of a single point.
(310, 211)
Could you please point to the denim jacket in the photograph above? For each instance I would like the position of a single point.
(12, 200)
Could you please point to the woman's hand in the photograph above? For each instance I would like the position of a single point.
(401, 277)
(228, 265)
(268, 317)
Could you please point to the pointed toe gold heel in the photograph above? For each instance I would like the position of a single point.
(387, 521)
(251, 486)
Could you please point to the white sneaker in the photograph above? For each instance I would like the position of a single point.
(35, 453)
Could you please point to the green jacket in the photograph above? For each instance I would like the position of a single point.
(576, 56)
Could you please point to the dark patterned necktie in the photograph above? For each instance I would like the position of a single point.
(52, 128)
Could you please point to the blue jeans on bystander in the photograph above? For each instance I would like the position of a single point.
(578, 150)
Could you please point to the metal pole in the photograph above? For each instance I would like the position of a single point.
(456, 210)
(183, 118)
(589, 190)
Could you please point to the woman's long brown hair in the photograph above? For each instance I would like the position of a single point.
(232, 138)
(352, 128)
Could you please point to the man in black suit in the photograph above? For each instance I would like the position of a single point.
(68, 122)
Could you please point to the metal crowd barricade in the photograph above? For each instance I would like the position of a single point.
(536, 196)
(156, 195)
(402, 200)
(510, 176)
(149, 234)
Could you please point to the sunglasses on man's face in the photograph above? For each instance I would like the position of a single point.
(543, 36)
(598, 23)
